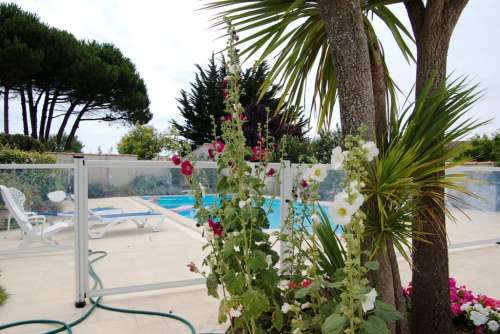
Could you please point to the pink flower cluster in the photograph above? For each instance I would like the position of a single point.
(460, 295)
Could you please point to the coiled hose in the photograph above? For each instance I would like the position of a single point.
(96, 303)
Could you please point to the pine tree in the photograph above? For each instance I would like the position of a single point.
(204, 102)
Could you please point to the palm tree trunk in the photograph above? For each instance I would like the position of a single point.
(24, 111)
(432, 25)
(379, 94)
(6, 110)
(347, 38)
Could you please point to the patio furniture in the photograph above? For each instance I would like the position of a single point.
(140, 218)
(34, 228)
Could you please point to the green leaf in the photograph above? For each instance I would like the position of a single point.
(212, 284)
(254, 303)
(314, 287)
(278, 319)
(257, 260)
(386, 311)
(374, 325)
(334, 324)
(234, 282)
(224, 308)
(372, 265)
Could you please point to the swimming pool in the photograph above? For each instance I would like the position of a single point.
(183, 205)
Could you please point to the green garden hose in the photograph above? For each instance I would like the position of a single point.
(96, 303)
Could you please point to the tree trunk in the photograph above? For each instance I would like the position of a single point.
(33, 116)
(379, 94)
(432, 25)
(6, 110)
(347, 38)
(43, 117)
(51, 115)
(25, 113)
(65, 120)
(72, 133)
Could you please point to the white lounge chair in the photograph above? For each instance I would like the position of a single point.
(140, 218)
(34, 228)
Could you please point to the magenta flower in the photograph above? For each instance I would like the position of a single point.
(187, 168)
(176, 159)
(219, 146)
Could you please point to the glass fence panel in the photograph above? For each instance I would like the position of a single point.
(36, 239)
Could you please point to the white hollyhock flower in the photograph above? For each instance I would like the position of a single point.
(242, 204)
(493, 325)
(481, 309)
(358, 200)
(337, 158)
(236, 248)
(341, 211)
(285, 308)
(368, 303)
(235, 69)
(316, 218)
(371, 150)
(235, 313)
(478, 318)
(317, 173)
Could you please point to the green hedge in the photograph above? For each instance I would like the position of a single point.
(21, 142)
(16, 156)
(483, 148)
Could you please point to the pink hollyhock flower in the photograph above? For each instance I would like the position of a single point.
(488, 302)
(271, 172)
(455, 309)
(187, 168)
(304, 184)
(258, 153)
(227, 118)
(219, 146)
(243, 117)
(306, 282)
(192, 267)
(176, 159)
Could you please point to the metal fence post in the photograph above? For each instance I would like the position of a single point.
(81, 229)
(285, 197)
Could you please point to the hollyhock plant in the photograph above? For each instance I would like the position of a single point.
(271, 172)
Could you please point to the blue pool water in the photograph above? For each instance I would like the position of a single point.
(182, 204)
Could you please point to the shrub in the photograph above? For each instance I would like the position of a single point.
(36, 183)
(483, 148)
(3, 296)
(21, 142)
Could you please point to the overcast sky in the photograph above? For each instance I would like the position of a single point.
(166, 40)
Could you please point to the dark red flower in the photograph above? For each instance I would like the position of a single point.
(227, 118)
(243, 117)
(176, 159)
(271, 172)
(304, 184)
(275, 146)
(211, 153)
(216, 227)
(187, 168)
(219, 146)
(192, 267)
(306, 282)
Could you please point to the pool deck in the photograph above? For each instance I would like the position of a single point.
(42, 286)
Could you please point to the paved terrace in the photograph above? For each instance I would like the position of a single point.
(42, 286)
